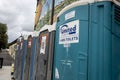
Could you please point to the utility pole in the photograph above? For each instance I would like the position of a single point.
(52, 12)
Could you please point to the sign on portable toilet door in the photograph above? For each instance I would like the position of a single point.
(43, 45)
(69, 32)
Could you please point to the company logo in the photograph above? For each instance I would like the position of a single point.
(65, 29)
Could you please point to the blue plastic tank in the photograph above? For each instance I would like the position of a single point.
(24, 42)
(28, 59)
(18, 58)
(33, 56)
(85, 42)
(116, 42)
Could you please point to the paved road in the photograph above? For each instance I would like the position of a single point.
(7, 59)
(5, 73)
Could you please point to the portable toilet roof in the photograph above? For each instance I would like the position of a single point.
(20, 38)
(36, 33)
(84, 2)
(25, 37)
(50, 28)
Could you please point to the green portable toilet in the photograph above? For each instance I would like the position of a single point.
(85, 42)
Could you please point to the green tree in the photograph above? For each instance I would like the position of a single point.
(3, 36)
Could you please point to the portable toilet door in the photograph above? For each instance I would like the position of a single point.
(23, 55)
(15, 62)
(18, 58)
(36, 60)
(28, 59)
(51, 42)
(44, 55)
(36, 56)
(71, 43)
(33, 62)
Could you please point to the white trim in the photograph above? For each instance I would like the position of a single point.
(53, 27)
(25, 37)
(20, 38)
(116, 2)
(35, 33)
(78, 3)
(46, 27)
(50, 28)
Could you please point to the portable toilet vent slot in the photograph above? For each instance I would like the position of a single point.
(117, 14)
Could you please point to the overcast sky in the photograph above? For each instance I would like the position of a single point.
(18, 15)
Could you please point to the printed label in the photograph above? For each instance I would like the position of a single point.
(70, 15)
(56, 73)
(29, 44)
(43, 45)
(69, 33)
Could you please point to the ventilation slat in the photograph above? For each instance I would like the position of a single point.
(117, 13)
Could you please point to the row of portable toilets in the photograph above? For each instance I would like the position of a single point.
(84, 44)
